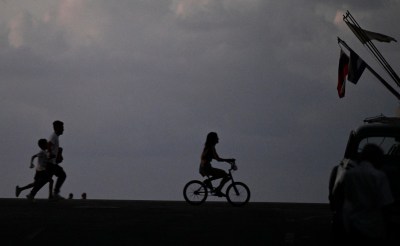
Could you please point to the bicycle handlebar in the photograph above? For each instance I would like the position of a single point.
(233, 166)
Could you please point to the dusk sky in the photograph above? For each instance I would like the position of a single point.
(139, 84)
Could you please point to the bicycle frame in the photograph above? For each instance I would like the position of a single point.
(230, 175)
(230, 179)
(233, 181)
(195, 192)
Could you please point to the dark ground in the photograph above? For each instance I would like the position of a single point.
(114, 222)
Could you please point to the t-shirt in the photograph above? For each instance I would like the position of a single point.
(206, 157)
(42, 161)
(55, 145)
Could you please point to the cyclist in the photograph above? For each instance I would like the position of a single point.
(209, 153)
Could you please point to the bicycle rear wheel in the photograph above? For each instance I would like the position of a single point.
(238, 194)
(195, 192)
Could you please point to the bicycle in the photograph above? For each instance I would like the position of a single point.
(196, 192)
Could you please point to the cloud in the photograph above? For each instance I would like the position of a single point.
(82, 21)
(61, 27)
(338, 20)
(192, 8)
(69, 11)
(19, 28)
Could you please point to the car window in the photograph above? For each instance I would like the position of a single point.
(389, 145)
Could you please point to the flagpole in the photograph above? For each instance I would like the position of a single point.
(360, 32)
(375, 51)
(372, 48)
(386, 84)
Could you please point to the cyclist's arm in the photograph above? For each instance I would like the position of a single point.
(217, 158)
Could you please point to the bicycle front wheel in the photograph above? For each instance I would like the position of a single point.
(195, 192)
(238, 194)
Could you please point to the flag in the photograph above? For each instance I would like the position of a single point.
(364, 36)
(343, 71)
(356, 67)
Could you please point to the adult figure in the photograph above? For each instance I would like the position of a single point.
(209, 153)
(55, 152)
(366, 196)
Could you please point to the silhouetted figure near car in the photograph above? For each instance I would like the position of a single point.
(55, 152)
(209, 153)
(336, 199)
(366, 196)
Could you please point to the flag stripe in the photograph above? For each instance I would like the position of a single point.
(356, 67)
(342, 73)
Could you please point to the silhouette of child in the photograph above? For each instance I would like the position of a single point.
(209, 153)
(42, 175)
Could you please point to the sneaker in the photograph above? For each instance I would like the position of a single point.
(29, 197)
(17, 191)
(219, 193)
(58, 197)
(208, 184)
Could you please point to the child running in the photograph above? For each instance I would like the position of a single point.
(42, 175)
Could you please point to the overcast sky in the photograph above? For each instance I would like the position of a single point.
(139, 84)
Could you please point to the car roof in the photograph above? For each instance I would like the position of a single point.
(379, 126)
(377, 129)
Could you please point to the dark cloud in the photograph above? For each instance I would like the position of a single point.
(360, 5)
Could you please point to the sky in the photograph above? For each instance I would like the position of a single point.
(139, 84)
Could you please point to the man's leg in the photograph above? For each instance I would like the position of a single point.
(61, 176)
(51, 182)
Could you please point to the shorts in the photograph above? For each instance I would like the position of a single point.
(42, 176)
(208, 170)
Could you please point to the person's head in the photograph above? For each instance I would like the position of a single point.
(58, 127)
(42, 143)
(372, 153)
(212, 139)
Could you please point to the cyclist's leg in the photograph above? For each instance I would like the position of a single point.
(217, 173)
(208, 183)
(208, 171)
